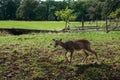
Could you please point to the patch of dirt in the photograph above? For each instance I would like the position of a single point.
(17, 31)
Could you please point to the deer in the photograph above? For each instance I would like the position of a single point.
(75, 45)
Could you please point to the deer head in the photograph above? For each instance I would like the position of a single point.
(57, 42)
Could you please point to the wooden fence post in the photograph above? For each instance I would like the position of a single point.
(106, 24)
(82, 23)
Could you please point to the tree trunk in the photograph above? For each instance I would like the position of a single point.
(82, 23)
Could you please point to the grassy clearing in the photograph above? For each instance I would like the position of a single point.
(45, 25)
(34, 57)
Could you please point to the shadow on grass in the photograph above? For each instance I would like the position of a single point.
(97, 72)
(82, 68)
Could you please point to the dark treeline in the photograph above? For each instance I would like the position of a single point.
(45, 10)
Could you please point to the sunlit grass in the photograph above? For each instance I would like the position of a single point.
(45, 25)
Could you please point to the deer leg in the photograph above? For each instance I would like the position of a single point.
(86, 55)
(66, 57)
(92, 51)
(71, 56)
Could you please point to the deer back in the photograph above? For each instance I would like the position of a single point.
(83, 44)
(77, 45)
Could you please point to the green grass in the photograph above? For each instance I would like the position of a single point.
(33, 56)
(45, 25)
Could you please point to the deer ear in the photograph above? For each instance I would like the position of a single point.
(53, 39)
(60, 39)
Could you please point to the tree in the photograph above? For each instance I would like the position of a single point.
(80, 9)
(53, 7)
(25, 10)
(66, 15)
(31, 10)
(40, 12)
(110, 6)
(115, 14)
(50, 9)
(11, 8)
(8, 9)
(94, 10)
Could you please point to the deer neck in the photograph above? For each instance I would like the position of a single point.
(62, 44)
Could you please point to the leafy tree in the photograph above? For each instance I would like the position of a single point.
(8, 9)
(58, 5)
(115, 14)
(40, 12)
(53, 6)
(66, 15)
(80, 9)
(2, 9)
(0, 12)
(31, 10)
(69, 2)
(110, 6)
(94, 10)
(50, 9)
(26, 10)
(91, 12)
(45, 10)
(11, 8)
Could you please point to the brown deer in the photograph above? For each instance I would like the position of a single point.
(71, 46)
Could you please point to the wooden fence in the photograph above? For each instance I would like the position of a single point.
(112, 25)
(109, 25)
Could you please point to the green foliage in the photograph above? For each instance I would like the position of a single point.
(110, 6)
(8, 9)
(80, 9)
(40, 12)
(115, 14)
(94, 10)
(45, 10)
(31, 10)
(65, 14)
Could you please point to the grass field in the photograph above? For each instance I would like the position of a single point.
(33, 57)
(44, 25)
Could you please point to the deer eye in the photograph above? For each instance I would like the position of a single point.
(56, 44)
